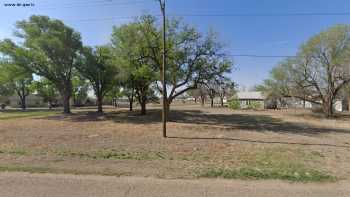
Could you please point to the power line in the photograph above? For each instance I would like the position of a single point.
(267, 14)
(260, 56)
(211, 15)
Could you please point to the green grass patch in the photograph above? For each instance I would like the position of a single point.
(15, 151)
(6, 115)
(248, 173)
(273, 163)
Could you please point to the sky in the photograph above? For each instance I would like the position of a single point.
(261, 33)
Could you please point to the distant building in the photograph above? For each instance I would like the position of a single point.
(247, 99)
(288, 102)
(341, 105)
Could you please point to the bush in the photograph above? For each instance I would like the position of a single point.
(254, 105)
(234, 104)
(249, 173)
(3, 106)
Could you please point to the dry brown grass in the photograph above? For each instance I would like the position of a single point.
(122, 142)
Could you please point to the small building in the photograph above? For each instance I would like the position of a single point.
(289, 102)
(251, 99)
(341, 105)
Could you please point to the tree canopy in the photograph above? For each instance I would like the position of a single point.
(320, 70)
(49, 49)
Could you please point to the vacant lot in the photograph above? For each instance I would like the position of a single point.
(288, 144)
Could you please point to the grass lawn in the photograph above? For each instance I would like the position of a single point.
(5, 115)
(203, 142)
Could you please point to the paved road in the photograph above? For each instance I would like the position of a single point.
(49, 185)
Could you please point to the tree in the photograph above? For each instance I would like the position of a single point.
(278, 85)
(225, 88)
(203, 93)
(80, 89)
(200, 92)
(15, 78)
(5, 86)
(97, 66)
(211, 89)
(129, 91)
(129, 46)
(195, 93)
(50, 49)
(47, 91)
(320, 70)
(192, 57)
(219, 86)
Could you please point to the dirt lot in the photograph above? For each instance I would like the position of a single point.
(202, 141)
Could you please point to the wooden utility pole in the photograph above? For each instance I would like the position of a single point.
(162, 73)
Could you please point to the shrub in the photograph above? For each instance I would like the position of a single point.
(254, 105)
(249, 173)
(234, 104)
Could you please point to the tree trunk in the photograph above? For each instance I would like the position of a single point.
(130, 105)
(202, 101)
(143, 107)
(66, 103)
(131, 101)
(167, 106)
(141, 95)
(99, 104)
(212, 102)
(222, 101)
(22, 96)
(328, 108)
(50, 105)
(23, 102)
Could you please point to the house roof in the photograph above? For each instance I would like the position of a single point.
(251, 95)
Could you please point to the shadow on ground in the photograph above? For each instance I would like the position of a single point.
(227, 122)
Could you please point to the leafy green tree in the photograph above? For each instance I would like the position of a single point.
(129, 91)
(98, 67)
(80, 89)
(50, 50)
(130, 48)
(5, 86)
(320, 70)
(278, 85)
(192, 58)
(47, 90)
(15, 78)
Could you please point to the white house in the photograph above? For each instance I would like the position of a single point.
(247, 98)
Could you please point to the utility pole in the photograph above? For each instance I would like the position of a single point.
(162, 73)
